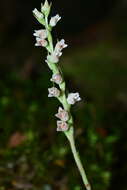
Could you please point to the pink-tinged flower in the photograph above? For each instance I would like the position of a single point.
(60, 46)
(62, 114)
(53, 92)
(38, 14)
(54, 57)
(62, 126)
(41, 34)
(57, 78)
(41, 42)
(54, 20)
(73, 98)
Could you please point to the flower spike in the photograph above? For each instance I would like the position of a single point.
(44, 39)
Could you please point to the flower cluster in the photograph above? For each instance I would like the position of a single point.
(64, 117)
(44, 39)
(41, 36)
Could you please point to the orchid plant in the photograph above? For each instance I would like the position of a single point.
(44, 39)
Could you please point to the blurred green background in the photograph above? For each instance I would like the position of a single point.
(32, 155)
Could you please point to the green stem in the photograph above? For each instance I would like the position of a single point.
(70, 136)
(50, 40)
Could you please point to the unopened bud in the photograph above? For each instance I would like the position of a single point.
(45, 9)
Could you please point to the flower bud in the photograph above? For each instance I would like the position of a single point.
(54, 20)
(73, 98)
(62, 126)
(53, 92)
(62, 114)
(45, 9)
(57, 78)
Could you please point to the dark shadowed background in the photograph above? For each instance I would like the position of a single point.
(32, 155)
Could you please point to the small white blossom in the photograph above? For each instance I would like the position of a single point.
(57, 78)
(41, 42)
(62, 114)
(73, 98)
(53, 58)
(38, 14)
(62, 126)
(41, 34)
(60, 46)
(54, 20)
(53, 92)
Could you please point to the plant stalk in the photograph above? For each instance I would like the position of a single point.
(70, 136)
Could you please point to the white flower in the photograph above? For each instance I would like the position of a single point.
(57, 78)
(54, 20)
(41, 34)
(38, 14)
(62, 126)
(73, 98)
(53, 58)
(41, 42)
(53, 92)
(60, 46)
(62, 114)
